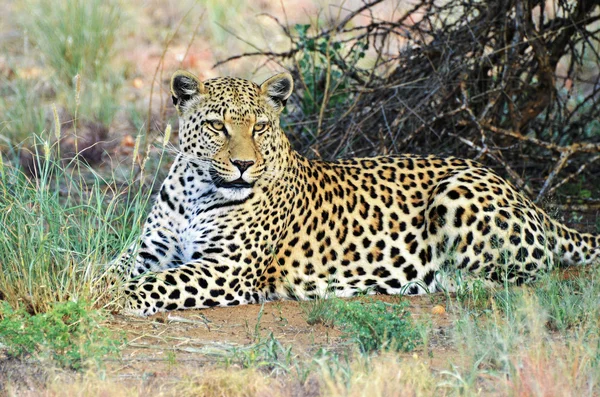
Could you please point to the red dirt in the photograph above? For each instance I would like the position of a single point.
(198, 338)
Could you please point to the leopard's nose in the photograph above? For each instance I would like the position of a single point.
(242, 165)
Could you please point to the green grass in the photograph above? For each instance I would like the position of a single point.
(372, 325)
(74, 43)
(320, 310)
(266, 353)
(377, 326)
(566, 303)
(74, 36)
(542, 339)
(69, 334)
(61, 228)
(23, 114)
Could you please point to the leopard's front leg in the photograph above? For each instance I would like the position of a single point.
(194, 285)
(160, 246)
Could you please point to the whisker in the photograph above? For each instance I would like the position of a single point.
(172, 149)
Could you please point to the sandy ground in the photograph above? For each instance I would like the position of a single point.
(166, 348)
(161, 344)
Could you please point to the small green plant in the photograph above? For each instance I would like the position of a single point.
(267, 353)
(320, 60)
(254, 334)
(320, 310)
(69, 334)
(171, 358)
(373, 325)
(376, 325)
(472, 294)
(279, 316)
(322, 63)
(580, 188)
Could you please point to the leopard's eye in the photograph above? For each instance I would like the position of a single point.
(260, 127)
(217, 125)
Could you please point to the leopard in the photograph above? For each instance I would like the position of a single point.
(242, 218)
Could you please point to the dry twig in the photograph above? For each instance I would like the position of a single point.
(505, 78)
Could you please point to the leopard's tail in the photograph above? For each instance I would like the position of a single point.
(570, 247)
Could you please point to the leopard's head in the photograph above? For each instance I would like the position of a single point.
(231, 127)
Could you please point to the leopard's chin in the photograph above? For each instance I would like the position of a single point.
(235, 193)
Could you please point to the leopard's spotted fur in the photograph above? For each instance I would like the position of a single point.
(242, 218)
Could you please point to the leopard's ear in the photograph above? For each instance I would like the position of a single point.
(184, 87)
(278, 89)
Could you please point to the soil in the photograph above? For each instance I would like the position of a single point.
(165, 348)
(164, 344)
(203, 337)
(199, 338)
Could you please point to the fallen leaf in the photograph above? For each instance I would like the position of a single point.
(438, 309)
(128, 141)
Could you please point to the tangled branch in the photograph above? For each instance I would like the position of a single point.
(513, 83)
